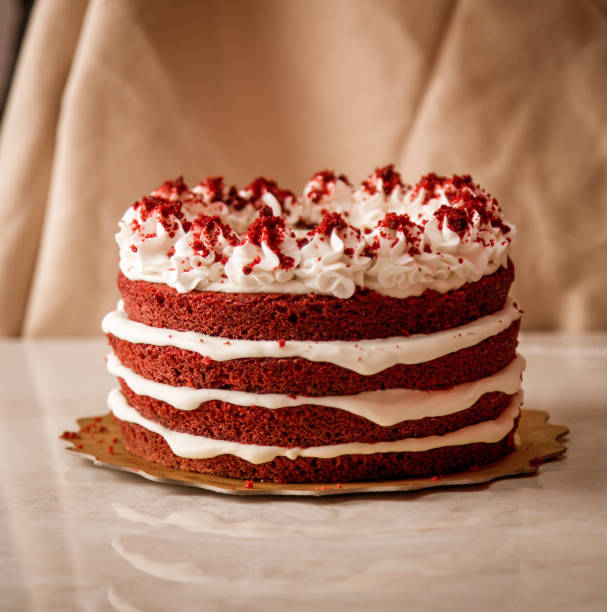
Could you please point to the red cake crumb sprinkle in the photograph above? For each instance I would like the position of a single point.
(248, 484)
(465, 199)
(435, 478)
(330, 222)
(169, 214)
(98, 419)
(429, 183)
(271, 230)
(114, 440)
(171, 189)
(69, 435)
(459, 216)
(462, 180)
(216, 191)
(457, 220)
(390, 179)
(206, 231)
(214, 186)
(260, 186)
(248, 268)
(80, 446)
(339, 485)
(282, 342)
(400, 223)
(325, 180)
(110, 449)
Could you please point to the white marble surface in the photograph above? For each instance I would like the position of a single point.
(78, 537)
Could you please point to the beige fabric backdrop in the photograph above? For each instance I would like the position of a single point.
(112, 97)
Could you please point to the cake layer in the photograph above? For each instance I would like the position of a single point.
(384, 407)
(312, 317)
(346, 468)
(297, 376)
(200, 447)
(304, 425)
(362, 356)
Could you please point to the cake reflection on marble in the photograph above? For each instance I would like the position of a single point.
(343, 335)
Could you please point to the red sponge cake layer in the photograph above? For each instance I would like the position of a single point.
(303, 426)
(344, 468)
(180, 368)
(310, 316)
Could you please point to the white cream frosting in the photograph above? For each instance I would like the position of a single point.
(393, 266)
(446, 259)
(363, 356)
(198, 447)
(240, 219)
(452, 260)
(368, 209)
(192, 268)
(338, 197)
(263, 263)
(145, 244)
(334, 264)
(385, 407)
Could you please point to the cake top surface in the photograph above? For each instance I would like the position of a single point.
(385, 235)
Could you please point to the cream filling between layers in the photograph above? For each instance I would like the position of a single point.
(385, 407)
(362, 356)
(197, 447)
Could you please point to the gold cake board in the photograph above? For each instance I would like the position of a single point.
(99, 439)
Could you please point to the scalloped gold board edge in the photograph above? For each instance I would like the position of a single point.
(99, 439)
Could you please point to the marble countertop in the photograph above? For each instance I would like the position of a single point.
(78, 537)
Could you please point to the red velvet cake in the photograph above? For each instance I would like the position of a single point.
(346, 334)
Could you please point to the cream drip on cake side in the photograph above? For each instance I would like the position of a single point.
(385, 407)
(198, 447)
(364, 357)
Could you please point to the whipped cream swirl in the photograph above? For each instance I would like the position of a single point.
(267, 256)
(326, 193)
(333, 260)
(381, 193)
(386, 236)
(148, 232)
(199, 256)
